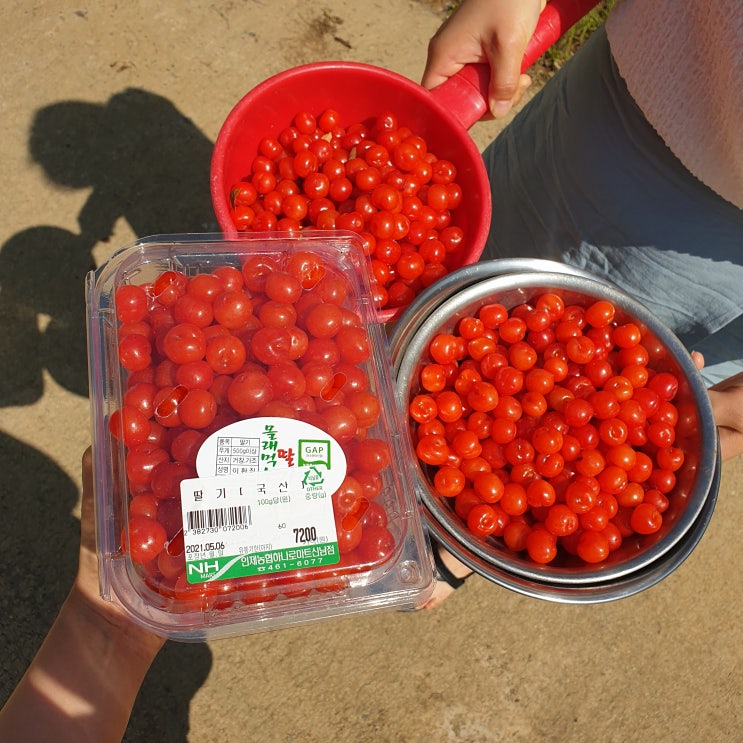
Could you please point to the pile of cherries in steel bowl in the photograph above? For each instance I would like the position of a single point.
(564, 439)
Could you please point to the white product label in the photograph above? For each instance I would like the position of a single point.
(262, 500)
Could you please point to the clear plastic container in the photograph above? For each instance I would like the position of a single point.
(251, 466)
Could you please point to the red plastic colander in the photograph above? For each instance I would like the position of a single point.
(360, 92)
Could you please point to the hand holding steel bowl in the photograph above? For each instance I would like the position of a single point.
(641, 560)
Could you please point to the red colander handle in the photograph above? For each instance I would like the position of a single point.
(557, 17)
(465, 95)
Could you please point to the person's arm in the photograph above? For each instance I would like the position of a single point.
(83, 681)
(492, 31)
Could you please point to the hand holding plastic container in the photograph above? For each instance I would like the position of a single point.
(245, 431)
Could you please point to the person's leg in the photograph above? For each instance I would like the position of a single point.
(580, 176)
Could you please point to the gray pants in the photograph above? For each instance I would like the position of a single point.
(580, 176)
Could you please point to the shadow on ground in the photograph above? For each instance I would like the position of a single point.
(143, 161)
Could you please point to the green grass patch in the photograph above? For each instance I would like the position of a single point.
(564, 48)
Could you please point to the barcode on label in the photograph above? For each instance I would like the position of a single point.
(211, 518)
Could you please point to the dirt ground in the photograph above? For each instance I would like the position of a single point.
(108, 115)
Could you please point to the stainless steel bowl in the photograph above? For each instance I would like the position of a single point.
(641, 560)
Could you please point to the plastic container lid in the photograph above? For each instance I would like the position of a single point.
(246, 437)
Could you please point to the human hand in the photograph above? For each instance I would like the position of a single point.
(726, 398)
(492, 31)
(727, 407)
(82, 682)
(85, 594)
(450, 574)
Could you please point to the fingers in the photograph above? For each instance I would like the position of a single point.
(455, 44)
(492, 31)
(439, 70)
(731, 443)
(441, 592)
(507, 85)
(723, 409)
(87, 506)
(726, 399)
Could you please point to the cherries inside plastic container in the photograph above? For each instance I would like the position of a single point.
(245, 434)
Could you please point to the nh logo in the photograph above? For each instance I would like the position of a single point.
(203, 567)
